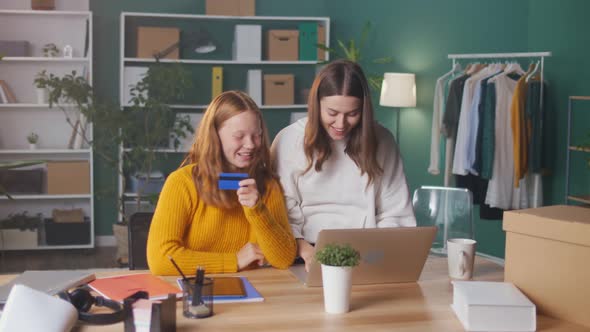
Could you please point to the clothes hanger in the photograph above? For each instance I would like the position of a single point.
(534, 72)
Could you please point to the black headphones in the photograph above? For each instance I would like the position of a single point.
(83, 301)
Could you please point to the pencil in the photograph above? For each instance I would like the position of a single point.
(177, 268)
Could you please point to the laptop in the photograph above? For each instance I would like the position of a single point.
(388, 255)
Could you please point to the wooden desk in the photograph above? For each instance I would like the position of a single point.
(290, 306)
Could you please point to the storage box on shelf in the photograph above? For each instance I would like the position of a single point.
(68, 28)
(547, 250)
(248, 52)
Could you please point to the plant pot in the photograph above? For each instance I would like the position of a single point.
(43, 4)
(42, 95)
(337, 284)
(32, 146)
(121, 236)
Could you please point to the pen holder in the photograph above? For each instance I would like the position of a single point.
(197, 300)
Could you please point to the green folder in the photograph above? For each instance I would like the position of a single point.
(308, 39)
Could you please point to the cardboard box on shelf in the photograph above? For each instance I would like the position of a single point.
(282, 45)
(14, 48)
(17, 239)
(230, 7)
(68, 177)
(279, 89)
(547, 251)
(321, 40)
(152, 40)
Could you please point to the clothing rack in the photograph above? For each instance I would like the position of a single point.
(540, 55)
(514, 55)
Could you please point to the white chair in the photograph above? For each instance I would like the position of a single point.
(450, 209)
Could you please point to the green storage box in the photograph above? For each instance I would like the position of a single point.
(308, 39)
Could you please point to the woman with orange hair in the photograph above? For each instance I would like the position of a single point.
(339, 168)
(197, 223)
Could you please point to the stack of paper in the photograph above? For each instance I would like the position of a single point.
(493, 306)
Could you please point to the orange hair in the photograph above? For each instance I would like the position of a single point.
(207, 154)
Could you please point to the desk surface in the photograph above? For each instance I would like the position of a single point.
(290, 306)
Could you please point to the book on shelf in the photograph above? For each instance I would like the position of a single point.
(493, 306)
(7, 95)
(228, 294)
(119, 287)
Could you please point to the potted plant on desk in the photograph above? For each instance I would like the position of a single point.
(337, 263)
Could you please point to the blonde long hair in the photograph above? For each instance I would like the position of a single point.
(342, 78)
(207, 153)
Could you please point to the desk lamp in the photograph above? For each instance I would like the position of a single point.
(398, 90)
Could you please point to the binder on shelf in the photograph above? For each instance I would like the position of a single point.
(247, 44)
(216, 81)
(254, 85)
(308, 39)
(7, 92)
(492, 306)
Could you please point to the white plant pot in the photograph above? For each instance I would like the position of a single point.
(32, 146)
(42, 95)
(337, 284)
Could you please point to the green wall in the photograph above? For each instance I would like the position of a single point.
(418, 35)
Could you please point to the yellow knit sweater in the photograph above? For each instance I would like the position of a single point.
(196, 234)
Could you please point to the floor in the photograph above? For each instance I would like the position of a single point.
(19, 261)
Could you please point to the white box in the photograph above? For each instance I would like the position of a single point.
(247, 45)
(493, 307)
(16, 239)
(254, 85)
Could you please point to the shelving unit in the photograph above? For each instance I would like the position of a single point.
(573, 149)
(221, 29)
(17, 120)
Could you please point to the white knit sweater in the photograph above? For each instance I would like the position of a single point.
(337, 197)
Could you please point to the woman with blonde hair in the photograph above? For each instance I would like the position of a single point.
(338, 167)
(199, 224)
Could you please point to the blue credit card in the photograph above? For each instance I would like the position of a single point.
(230, 181)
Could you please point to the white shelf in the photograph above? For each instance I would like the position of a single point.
(223, 17)
(46, 197)
(262, 107)
(222, 62)
(161, 150)
(580, 148)
(42, 59)
(25, 105)
(46, 247)
(44, 12)
(46, 151)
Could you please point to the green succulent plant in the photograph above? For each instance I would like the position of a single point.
(338, 255)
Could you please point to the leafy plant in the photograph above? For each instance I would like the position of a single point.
(21, 221)
(50, 50)
(144, 127)
(42, 79)
(338, 255)
(352, 50)
(33, 138)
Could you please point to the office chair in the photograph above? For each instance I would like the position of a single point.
(139, 227)
(450, 209)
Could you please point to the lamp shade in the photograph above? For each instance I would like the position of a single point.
(398, 90)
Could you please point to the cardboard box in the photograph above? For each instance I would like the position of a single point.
(152, 40)
(279, 89)
(547, 255)
(14, 48)
(247, 44)
(282, 45)
(321, 40)
(68, 177)
(230, 7)
(16, 239)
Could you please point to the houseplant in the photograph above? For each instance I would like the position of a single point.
(337, 263)
(33, 138)
(352, 50)
(40, 82)
(142, 128)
